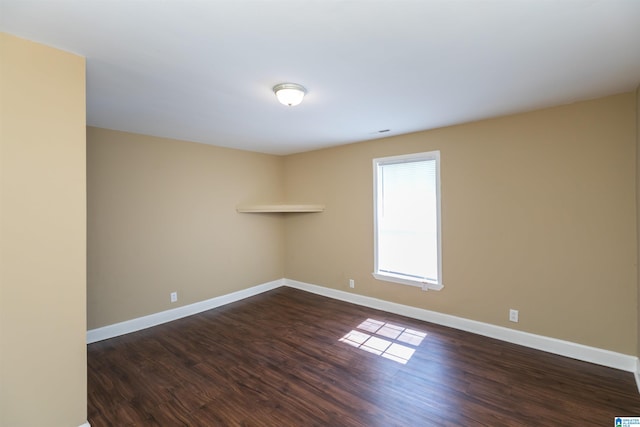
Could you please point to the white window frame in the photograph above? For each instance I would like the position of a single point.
(425, 284)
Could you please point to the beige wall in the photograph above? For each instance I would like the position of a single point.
(538, 214)
(637, 93)
(43, 377)
(162, 218)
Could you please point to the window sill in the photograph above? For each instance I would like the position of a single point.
(426, 286)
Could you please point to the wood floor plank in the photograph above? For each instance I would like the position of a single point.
(291, 358)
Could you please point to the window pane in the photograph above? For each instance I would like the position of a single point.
(407, 219)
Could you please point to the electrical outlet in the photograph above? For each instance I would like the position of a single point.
(352, 283)
(174, 296)
(513, 315)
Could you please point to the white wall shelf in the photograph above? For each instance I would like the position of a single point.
(282, 207)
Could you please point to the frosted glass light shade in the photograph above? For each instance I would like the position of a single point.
(289, 94)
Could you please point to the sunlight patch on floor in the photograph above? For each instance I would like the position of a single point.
(390, 341)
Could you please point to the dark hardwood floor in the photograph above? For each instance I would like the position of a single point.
(291, 358)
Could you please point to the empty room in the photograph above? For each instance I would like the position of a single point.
(319, 213)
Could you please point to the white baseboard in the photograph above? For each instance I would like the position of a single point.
(144, 322)
(85, 424)
(552, 345)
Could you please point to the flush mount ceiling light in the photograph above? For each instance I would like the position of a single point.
(289, 94)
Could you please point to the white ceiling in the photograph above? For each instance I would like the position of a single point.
(203, 70)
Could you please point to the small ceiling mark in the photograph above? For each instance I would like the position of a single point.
(384, 130)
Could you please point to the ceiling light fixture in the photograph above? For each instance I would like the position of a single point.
(289, 94)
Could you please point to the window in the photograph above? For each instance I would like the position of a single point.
(407, 220)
